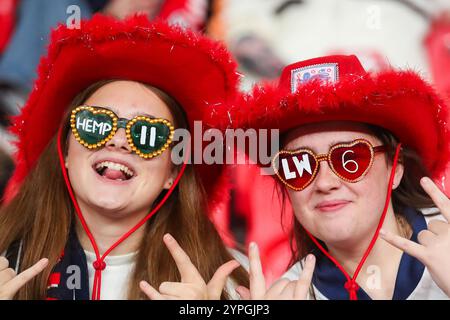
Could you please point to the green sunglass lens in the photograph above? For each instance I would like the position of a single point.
(93, 127)
(149, 137)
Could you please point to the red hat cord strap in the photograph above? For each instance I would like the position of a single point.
(351, 286)
(99, 264)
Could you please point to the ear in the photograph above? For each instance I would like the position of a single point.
(169, 182)
(66, 164)
(399, 170)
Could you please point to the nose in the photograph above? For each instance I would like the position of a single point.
(119, 142)
(326, 180)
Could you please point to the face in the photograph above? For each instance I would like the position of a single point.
(112, 179)
(337, 212)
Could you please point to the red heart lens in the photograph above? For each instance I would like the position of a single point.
(351, 162)
(296, 169)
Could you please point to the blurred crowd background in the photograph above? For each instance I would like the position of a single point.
(264, 36)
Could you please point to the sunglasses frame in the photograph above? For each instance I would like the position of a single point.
(115, 128)
(327, 157)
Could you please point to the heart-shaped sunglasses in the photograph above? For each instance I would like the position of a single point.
(93, 127)
(349, 161)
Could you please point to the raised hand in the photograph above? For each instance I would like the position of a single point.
(282, 289)
(433, 249)
(192, 285)
(10, 282)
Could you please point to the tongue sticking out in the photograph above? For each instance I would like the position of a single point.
(114, 174)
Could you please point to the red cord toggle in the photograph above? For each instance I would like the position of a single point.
(351, 285)
(99, 265)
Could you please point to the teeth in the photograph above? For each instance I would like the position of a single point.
(115, 166)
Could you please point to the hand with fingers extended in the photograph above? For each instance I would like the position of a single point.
(10, 282)
(192, 285)
(433, 249)
(282, 289)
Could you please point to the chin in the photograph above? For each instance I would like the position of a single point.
(336, 231)
(338, 239)
(101, 200)
(109, 202)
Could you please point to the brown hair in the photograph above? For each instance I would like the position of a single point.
(6, 168)
(409, 193)
(43, 222)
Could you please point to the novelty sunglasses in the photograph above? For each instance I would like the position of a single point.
(349, 161)
(94, 126)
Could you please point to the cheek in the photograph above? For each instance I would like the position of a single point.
(72, 149)
(370, 197)
(298, 199)
(156, 171)
(299, 202)
(76, 154)
(78, 168)
(372, 190)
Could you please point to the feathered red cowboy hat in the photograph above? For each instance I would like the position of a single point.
(198, 72)
(337, 88)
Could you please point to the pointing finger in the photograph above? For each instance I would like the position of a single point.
(412, 248)
(257, 281)
(304, 282)
(188, 271)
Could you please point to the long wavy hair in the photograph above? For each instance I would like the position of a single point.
(41, 216)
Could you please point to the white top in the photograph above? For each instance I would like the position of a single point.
(424, 289)
(116, 276)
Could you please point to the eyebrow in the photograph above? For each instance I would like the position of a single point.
(332, 143)
(135, 114)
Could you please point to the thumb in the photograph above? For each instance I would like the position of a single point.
(217, 283)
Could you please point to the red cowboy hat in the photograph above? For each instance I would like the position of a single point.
(337, 88)
(198, 72)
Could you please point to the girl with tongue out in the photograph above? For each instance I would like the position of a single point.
(357, 151)
(95, 192)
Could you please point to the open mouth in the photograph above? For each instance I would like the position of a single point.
(113, 171)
